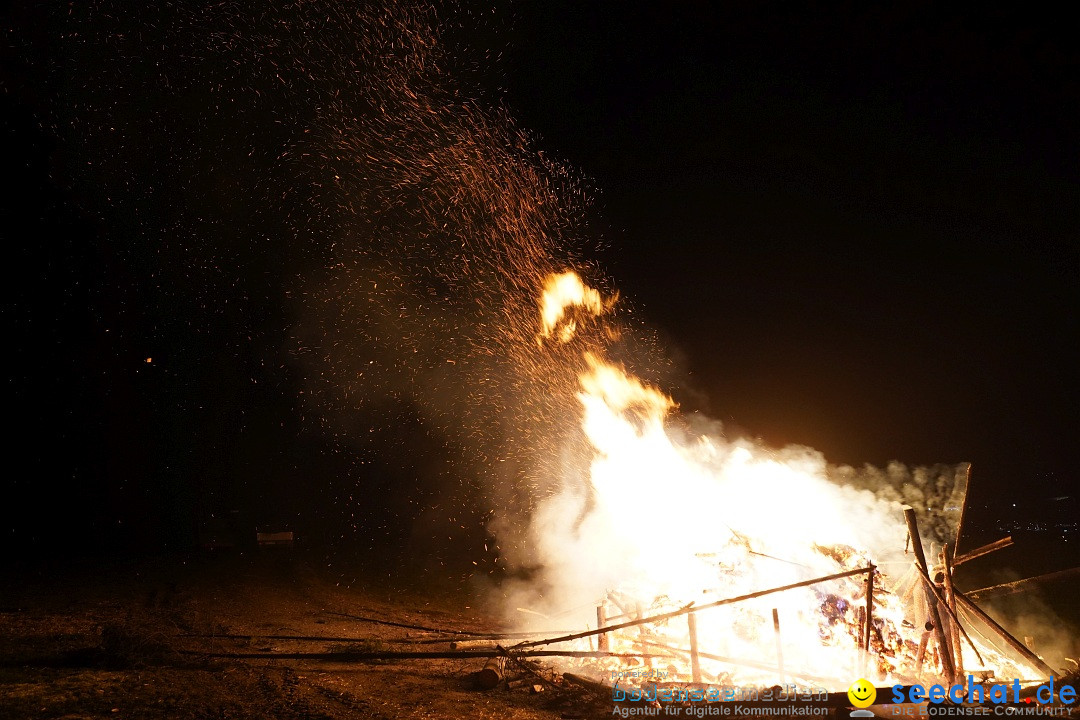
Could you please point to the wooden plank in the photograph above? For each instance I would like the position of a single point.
(691, 608)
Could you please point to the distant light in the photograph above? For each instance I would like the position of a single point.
(149, 359)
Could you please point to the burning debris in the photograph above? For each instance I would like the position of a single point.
(740, 564)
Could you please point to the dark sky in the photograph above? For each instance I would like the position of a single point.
(856, 228)
(856, 224)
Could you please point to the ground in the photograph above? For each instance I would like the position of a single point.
(144, 640)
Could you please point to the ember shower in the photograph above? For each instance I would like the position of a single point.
(409, 229)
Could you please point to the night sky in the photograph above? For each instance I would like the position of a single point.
(853, 228)
(856, 226)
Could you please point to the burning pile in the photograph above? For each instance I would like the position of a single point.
(669, 522)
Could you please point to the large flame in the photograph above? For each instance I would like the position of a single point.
(667, 516)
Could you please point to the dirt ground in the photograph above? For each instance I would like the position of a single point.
(145, 641)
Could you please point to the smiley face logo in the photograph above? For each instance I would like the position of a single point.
(862, 693)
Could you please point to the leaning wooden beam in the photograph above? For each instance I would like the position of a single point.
(691, 608)
(947, 666)
(695, 661)
(1012, 642)
(1019, 585)
(868, 620)
(966, 482)
(954, 625)
(440, 631)
(984, 550)
(779, 643)
(346, 656)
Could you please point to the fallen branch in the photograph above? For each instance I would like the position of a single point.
(442, 631)
(346, 656)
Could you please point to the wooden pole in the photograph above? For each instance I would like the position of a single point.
(963, 509)
(642, 633)
(948, 670)
(869, 619)
(924, 640)
(779, 645)
(1005, 635)
(346, 656)
(601, 620)
(695, 661)
(984, 550)
(691, 608)
(929, 585)
(954, 622)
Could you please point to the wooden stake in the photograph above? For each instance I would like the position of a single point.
(642, 633)
(923, 642)
(869, 619)
(948, 670)
(601, 620)
(779, 645)
(695, 662)
(954, 622)
(929, 585)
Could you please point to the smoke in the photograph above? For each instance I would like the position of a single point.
(1031, 617)
(935, 492)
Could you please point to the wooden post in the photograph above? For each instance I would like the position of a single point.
(779, 646)
(869, 618)
(954, 622)
(944, 605)
(601, 620)
(642, 632)
(695, 661)
(924, 640)
(948, 670)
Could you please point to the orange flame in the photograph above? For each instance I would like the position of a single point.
(667, 516)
